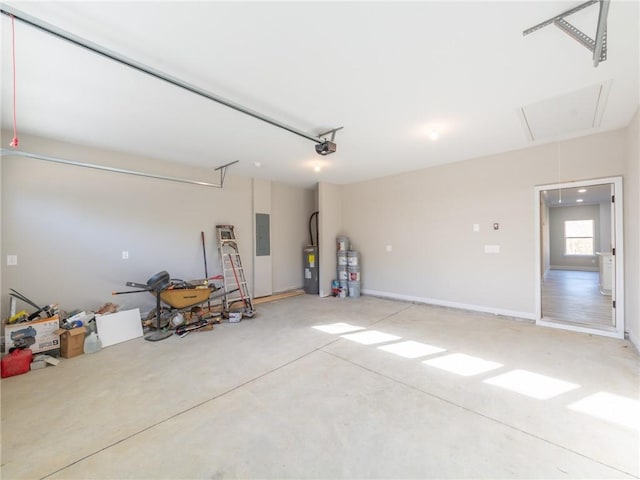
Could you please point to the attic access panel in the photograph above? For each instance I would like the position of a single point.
(573, 112)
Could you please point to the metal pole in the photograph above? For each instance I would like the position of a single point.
(17, 153)
(600, 51)
(582, 38)
(81, 42)
(559, 17)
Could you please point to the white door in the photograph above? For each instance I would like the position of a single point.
(573, 291)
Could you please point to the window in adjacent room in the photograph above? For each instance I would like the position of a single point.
(578, 237)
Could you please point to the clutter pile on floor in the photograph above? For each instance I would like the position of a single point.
(35, 340)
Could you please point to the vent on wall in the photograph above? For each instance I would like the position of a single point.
(567, 114)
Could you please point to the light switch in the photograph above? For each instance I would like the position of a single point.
(125, 255)
(476, 227)
(492, 249)
(388, 248)
(12, 259)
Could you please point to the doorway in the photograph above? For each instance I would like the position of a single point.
(579, 256)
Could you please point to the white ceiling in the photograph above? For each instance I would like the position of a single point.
(386, 71)
(568, 197)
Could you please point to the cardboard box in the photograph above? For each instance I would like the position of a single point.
(71, 342)
(40, 335)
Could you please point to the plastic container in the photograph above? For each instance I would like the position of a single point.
(335, 288)
(342, 243)
(354, 289)
(353, 273)
(353, 258)
(343, 275)
(16, 363)
(342, 258)
(92, 343)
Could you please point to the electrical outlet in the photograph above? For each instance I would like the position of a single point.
(12, 260)
(125, 255)
(388, 248)
(476, 227)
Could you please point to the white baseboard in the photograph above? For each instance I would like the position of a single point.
(575, 268)
(445, 303)
(634, 341)
(577, 328)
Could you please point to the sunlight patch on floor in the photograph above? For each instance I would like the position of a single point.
(531, 384)
(337, 328)
(411, 349)
(462, 364)
(370, 337)
(612, 408)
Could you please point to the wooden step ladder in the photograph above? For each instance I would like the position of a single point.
(234, 279)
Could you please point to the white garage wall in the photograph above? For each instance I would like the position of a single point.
(427, 218)
(262, 265)
(291, 208)
(632, 232)
(69, 225)
(330, 202)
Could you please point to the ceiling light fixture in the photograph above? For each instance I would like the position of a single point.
(257, 164)
(579, 200)
(316, 168)
(434, 134)
(582, 190)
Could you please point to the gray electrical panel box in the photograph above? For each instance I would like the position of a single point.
(263, 243)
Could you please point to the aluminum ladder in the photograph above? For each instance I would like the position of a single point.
(234, 279)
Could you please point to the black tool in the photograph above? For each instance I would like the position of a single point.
(182, 329)
(47, 309)
(20, 296)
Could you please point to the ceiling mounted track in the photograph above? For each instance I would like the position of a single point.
(6, 152)
(597, 46)
(95, 48)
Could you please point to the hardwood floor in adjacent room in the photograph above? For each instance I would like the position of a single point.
(574, 296)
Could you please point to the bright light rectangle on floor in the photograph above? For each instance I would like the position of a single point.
(531, 384)
(411, 349)
(612, 408)
(462, 364)
(371, 337)
(336, 328)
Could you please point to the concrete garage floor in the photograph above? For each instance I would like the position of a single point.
(276, 397)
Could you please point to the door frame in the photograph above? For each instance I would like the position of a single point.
(617, 293)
